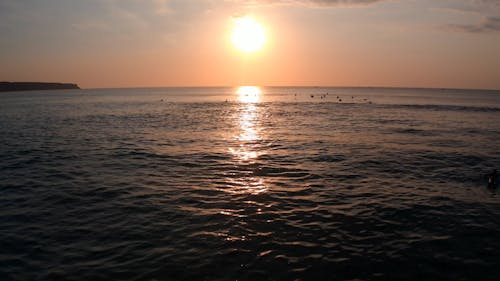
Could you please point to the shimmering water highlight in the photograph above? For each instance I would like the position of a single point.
(253, 184)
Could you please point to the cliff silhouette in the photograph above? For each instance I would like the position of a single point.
(35, 86)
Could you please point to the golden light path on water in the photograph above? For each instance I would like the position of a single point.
(248, 140)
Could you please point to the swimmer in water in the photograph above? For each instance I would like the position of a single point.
(492, 179)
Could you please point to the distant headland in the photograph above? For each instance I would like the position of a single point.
(35, 86)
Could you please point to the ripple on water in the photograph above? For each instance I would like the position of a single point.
(229, 191)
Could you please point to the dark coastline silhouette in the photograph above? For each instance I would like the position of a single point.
(34, 86)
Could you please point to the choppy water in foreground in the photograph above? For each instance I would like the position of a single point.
(178, 184)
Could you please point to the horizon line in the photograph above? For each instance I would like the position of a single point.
(266, 86)
(299, 86)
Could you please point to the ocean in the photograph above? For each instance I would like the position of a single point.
(249, 183)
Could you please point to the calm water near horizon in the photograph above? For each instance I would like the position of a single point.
(271, 183)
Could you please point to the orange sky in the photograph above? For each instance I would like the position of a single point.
(131, 43)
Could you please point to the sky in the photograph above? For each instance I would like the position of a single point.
(154, 43)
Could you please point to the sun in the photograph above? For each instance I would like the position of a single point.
(248, 35)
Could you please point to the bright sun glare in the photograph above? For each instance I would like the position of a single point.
(248, 34)
(249, 94)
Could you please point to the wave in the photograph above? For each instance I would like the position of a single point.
(435, 107)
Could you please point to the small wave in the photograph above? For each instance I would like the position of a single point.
(456, 108)
(329, 158)
(413, 131)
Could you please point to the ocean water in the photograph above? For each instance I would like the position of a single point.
(249, 184)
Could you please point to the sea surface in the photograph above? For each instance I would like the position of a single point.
(270, 183)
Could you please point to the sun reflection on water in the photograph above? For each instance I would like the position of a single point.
(249, 94)
(247, 118)
(248, 141)
(247, 123)
(247, 185)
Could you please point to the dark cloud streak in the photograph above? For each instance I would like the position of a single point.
(325, 3)
(344, 2)
(486, 25)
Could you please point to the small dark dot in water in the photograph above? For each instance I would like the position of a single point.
(492, 179)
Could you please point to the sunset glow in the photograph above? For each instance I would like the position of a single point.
(249, 139)
(157, 43)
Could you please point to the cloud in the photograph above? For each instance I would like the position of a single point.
(486, 25)
(325, 3)
(484, 7)
(343, 2)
